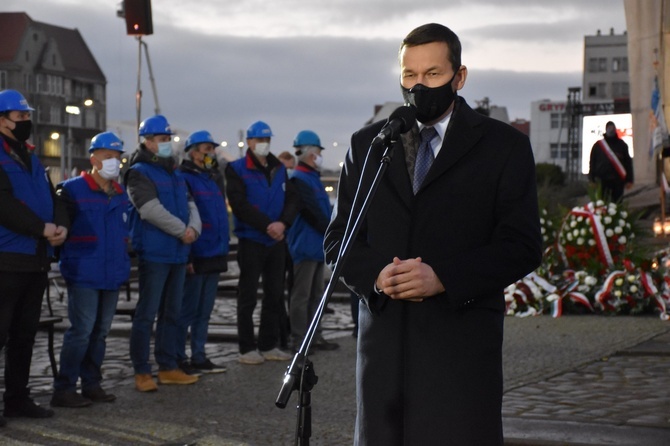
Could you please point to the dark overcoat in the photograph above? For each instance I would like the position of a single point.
(430, 373)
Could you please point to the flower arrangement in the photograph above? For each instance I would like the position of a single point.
(588, 267)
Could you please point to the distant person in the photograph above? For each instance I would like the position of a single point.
(264, 204)
(209, 254)
(164, 222)
(94, 262)
(32, 222)
(611, 165)
(305, 240)
(453, 222)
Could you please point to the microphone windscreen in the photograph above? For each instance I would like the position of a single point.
(406, 114)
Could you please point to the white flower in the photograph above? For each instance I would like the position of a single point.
(541, 221)
(612, 210)
(545, 238)
(542, 230)
(622, 239)
(583, 288)
(573, 224)
(575, 232)
(592, 242)
(580, 241)
(590, 280)
(633, 289)
(607, 219)
(631, 278)
(609, 233)
(552, 297)
(580, 219)
(569, 237)
(617, 293)
(600, 203)
(618, 230)
(627, 225)
(624, 214)
(582, 232)
(618, 282)
(622, 223)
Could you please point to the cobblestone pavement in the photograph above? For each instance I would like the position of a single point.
(574, 380)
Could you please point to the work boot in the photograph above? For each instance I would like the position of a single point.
(176, 376)
(69, 398)
(27, 408)
(145, 383)
(98, 395)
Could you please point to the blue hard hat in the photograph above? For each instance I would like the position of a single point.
(259, 129)
(155, 125)
(307, 138)
(11, 100)
(198, 137)
(106, 140)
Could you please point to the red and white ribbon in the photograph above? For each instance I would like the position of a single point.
(613, 158)
(589, 213)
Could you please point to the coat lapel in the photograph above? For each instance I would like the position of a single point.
(464, 132)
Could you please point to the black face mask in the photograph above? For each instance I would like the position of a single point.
(22, 130)
(430, 103)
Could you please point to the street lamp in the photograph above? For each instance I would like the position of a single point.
(71, 109)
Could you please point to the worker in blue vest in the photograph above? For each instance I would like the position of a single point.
(164, 222)
(94, 263)
(32, 222)
(209, 254)
(264, 205)
(305, 239)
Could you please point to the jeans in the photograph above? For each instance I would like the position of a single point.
(90, 312)
(256, 260)
(161, 290)
(198, 303)
(305, 297)
(20, 307)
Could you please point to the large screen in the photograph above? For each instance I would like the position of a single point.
(593, 129)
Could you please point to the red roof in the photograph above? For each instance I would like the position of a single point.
(13, 26)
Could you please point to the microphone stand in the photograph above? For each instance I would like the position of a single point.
(300, 373)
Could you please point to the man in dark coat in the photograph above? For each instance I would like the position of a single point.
(433, 257)
(610, 164)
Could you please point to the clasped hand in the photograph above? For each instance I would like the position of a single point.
(409, 279)
(55, 235)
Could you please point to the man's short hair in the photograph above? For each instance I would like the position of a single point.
(434, 32)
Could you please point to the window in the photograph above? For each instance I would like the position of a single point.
(593, 65)
(602, 89)
(39, 79)
(554, 150)
(602, 64)
(26, 82)
(620, 89)
(616, 64)
(3, 80)
(52, 147)
(559, 120)
(55, 114)
(99, 93)
(624, 64)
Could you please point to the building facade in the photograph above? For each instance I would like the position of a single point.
(605, 67)
(55, 70)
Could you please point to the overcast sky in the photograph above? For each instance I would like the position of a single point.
(323, 65)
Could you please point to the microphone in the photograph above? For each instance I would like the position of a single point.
(400, 121)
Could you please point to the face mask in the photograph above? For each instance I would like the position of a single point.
(318, 160)
(22, 130)
(164, 149)
(208, 160)
(110, 168)
(430, 103)
(262, 148)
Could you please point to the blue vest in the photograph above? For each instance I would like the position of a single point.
(215, 236)
(32, 189)
(95, 254)
(267, 198)
(150, 242)
(304, 241)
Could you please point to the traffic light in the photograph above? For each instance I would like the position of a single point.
(138, 17)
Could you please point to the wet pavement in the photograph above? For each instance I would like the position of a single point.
(574, 380)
